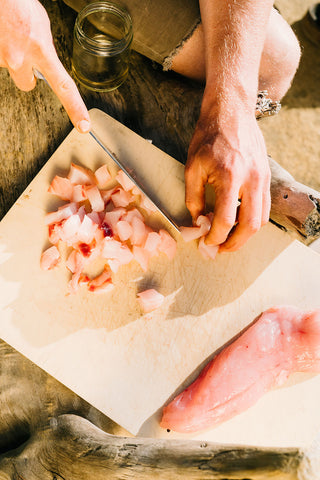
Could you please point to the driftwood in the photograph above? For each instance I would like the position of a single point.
(294, 206)
(73, 448)
(46, 431)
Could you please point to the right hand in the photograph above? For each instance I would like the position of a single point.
(228, 151)
(26, 43)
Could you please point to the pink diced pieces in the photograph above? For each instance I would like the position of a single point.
(124, 230)
(106, 195)
(87, 230)
(103, 176)
(147, 205)
(207, 251)
(125, 182)
(75, 261)
(95, 217)
(141, 256)
(204, 223)
(62, 187)
(61, 214)
(139, 231)
(80, 175)
(70, 229)
(49, 258)
(190, 233)
(168, 245)
(95, 199)
(152, 242)
(112, 249)
(132, 213)
(121, 198)
(79, 193)
(102, 283)
(54, 232)
(150, 300)
(113, 217)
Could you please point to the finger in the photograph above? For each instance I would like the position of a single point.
(23, 78)
(225, 212)
(195, 190)
(249, 221)
(66, 90)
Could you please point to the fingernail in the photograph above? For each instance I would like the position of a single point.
(84, 126)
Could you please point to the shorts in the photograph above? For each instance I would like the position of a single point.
(160, 27)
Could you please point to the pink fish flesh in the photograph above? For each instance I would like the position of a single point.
(283, 340)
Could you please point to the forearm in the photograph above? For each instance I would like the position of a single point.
(234, 35)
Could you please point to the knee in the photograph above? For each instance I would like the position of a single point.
(281, 55)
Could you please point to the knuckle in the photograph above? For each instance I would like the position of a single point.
(65, 86)
(253, 225)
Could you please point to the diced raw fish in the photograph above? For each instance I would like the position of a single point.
(69, 229)
(139, 231)
(106, 195)
(87, 230)
(190, 233)
(50, 258)
(80, 175)
(150, 300)
(152, 242)
(74, 261)
(95, 199)
(124, 181)
(283, 340)
(132, 213)
(121, 198)
(113, 217)
(124, 230)
(62, 187)
(168, 245)
(147, 205)
(61, 214)
(114, 264)
(95, 217)
(116, 250)
(103, 176)
(54, 232)
(102, 283)
(203, 225)
(136, 191)
(141, 256)
(207, 251)
(79, 193)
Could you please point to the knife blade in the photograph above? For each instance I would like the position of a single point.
(133, 179)
(40, 76)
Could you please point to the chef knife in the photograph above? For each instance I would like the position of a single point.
(133, 179)
(131, 175)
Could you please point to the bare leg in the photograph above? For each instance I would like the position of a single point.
(279, 61)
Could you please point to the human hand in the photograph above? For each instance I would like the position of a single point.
(228, 151)
(25, 44)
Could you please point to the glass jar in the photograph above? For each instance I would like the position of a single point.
(101, 46)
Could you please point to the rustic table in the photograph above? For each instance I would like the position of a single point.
(46, 431)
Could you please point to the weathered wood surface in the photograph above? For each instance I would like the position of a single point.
(46, 432)
(36, 440)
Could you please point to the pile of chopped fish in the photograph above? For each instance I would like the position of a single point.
(282, 341)
(106, 223)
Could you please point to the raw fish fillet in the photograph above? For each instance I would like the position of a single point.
(283, 340)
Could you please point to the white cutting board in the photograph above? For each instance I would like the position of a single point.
(128, 365)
